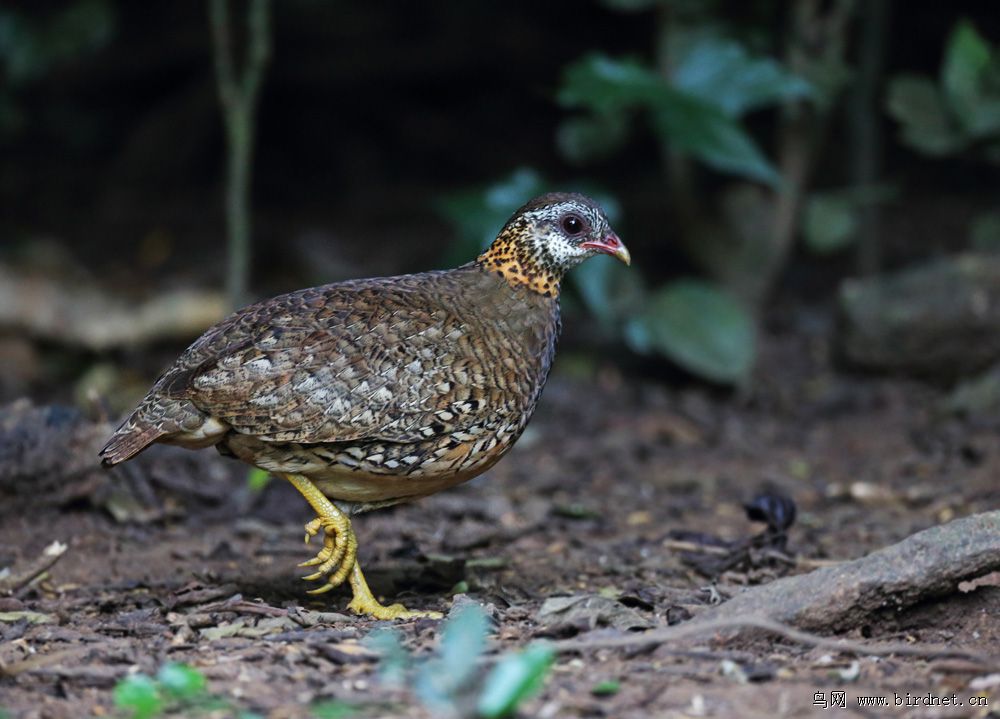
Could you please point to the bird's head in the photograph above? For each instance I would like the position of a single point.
(548, 236)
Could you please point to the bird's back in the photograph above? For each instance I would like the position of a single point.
(401, 360)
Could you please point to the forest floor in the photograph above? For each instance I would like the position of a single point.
(173, 558)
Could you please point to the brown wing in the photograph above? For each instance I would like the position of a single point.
(397, 359)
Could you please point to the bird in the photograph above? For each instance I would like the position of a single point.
(368, 393)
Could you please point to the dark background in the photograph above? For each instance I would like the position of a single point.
(369, 113)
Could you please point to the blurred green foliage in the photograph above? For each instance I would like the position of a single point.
(30, 48)
(695, 111)
(441, 678)
(140, 695)
(333, 709)
(456, 681)
(177, 690)
(958, 111)
(517, 676)
(700, 327)
(830, 218)
(957, 114)
(607, 688)
(257, 479)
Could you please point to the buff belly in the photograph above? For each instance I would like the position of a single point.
(346, 472)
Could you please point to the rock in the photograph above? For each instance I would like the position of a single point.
(584, 612)
(940, 320)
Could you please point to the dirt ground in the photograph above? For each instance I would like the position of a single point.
(173, 558)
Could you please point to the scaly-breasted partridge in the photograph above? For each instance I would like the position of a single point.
(372, 392)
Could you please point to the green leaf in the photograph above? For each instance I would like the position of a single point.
(691, 124)
(180, 680)
(829, 223)
(700, 327)
(606, 688)
(970, 77)
(697, 127)
(516, 677)
(723, 73)
(608, 86)
(830, 218)
(138, 694)
(394, 659)
(333, 709)
(947, 118)
(257, 479)
(609, 290)
(463, 640)
(966, 60)
(917, 104)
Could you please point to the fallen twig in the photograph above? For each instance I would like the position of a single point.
(700, 627)
(681, 545)
(42, 660)
(241, 606)
(20, 578)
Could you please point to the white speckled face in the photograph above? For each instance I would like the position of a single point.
(547, 237)
(559, 230)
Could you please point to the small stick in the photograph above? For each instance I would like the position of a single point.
(803, 562)
(38, 566)
(700, 628)
(42, 660)
(241, 607)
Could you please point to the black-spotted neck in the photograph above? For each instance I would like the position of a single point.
(520, 261)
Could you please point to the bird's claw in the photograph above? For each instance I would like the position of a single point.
(338, 554)
(312, 528)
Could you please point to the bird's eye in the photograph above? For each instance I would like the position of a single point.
(572, 224)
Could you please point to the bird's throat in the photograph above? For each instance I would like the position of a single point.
(520, 268)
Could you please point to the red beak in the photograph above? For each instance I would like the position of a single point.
(610, 245)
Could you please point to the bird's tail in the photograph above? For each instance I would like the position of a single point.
(128, 440)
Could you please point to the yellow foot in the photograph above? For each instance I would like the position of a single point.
(338, 558)
(334, 543)
(364, 602)
(340, 548)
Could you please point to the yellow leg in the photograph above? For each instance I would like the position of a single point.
(364, 602)
(338, 558)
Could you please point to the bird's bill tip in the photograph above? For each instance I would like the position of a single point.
(611, 245)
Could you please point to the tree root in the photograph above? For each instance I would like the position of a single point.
(925, 565)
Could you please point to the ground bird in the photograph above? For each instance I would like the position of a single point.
(372, 392)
